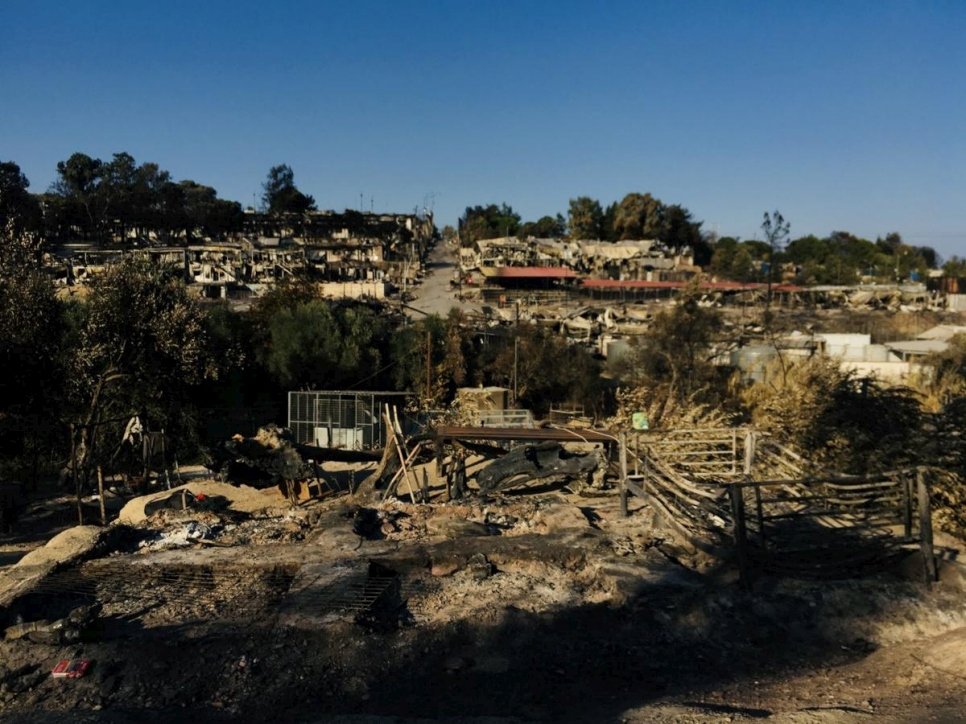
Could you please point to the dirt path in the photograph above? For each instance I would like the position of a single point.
(435, 295)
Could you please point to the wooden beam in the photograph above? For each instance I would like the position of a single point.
(623, 463)
(740, 534)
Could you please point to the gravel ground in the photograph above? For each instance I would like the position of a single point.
(547, 607)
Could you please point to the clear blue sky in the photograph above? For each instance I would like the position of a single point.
(842, 115)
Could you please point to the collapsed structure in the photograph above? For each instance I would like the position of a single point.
(353, 254)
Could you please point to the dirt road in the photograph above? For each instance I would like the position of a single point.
(435, 295)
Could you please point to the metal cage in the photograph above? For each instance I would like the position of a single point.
(346, 419)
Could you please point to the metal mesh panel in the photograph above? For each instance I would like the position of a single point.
(343, 419)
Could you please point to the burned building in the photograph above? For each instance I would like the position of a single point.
(353, 246)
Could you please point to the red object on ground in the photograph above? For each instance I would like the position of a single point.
(60, 671)
(77, 668)
(70, 668)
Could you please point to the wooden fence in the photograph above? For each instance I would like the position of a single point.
(831, 525)
(736, 489)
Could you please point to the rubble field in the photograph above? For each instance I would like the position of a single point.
(214, 602)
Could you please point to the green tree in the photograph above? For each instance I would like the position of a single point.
(19, 209)
(679, 232)
(281, 196)
(585, 218)
(609, 231)
(132, 194)
(110, 200)
(723, 257)
(546, 227)
(890, 244)
(541, 379)
(776, 230)
(450, 348)
(743, 268)
(955, 266)
(840, 420)
(34, 329)
(141, 348)
(306, 342)
(488, 222)
(205, 214)
(929, 256)
(674, 356)
(78, 183)
(639, 216)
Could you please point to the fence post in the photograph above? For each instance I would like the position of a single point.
(925, 527)
(637, 452)
(623, 461)
(741, 539)
(907, 504)
(761, 517)
(749, 452)
(734, 451)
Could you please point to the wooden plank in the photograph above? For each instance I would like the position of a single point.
(863, 487)
(398, 474)
(822, 480)
(816, 514)
(711, 492)
(402, 459)
(623, 462)
(660, 482)
(449, 432)
(638, 491)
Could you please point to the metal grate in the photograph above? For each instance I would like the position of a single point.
(355, 594)
(188, 592)
(339, 418)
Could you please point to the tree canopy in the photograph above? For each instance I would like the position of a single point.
(585, 218)
(281, 196)
(18, 207)
(488, 222)
(546, 227)
(120, 200)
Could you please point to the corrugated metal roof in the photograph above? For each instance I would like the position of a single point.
(918, 346)
(943, 331)
(630, 284)
(720, 286)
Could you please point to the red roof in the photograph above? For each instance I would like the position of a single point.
(720, 286)
(630, 284)
(535, 272)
